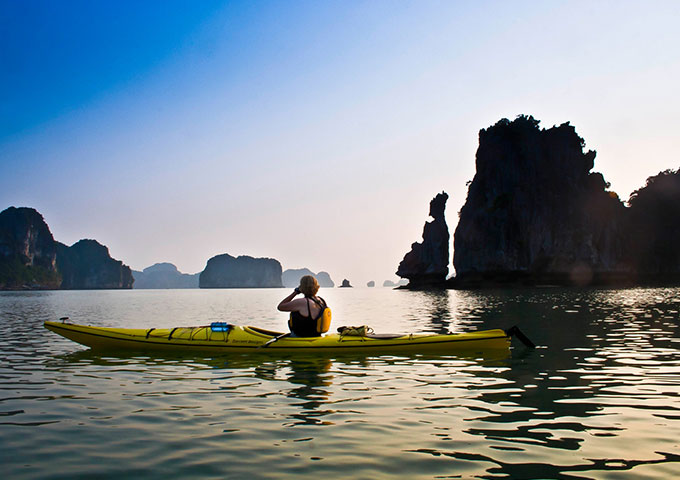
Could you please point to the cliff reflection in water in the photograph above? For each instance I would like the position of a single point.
(310, 378)
(434, 311)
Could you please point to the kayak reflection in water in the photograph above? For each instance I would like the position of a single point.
(309, 316)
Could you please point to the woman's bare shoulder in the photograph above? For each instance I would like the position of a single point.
(294, 305)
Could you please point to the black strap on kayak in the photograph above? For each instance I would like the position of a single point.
(514, 331)
(171, 332)
(148, 332)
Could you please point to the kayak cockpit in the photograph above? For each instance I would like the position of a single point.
(262, 331)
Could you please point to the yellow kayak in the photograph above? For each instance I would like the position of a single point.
(234, 338)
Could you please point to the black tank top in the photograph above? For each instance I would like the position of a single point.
(303, 325)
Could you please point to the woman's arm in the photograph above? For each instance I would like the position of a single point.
(288, 304)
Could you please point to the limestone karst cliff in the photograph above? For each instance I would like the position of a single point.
(28, 253)
(427, 263)
(534, 210)
(225, 271)
(653, 227)
(88, 265)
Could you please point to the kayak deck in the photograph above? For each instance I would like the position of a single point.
(253, 339)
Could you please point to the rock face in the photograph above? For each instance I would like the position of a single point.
(427, 264)
(534, 211)
(291, 277)
(225, 271)
(654, 228)
(345, 284)
(164, 275)
(28, 252)
(88, 265)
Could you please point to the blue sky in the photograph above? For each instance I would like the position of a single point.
(312, 132)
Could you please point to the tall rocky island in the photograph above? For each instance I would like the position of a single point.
(30, 258)
(28, 252)
(87, 265)
(536, 213)
(427, 264)
(653, 229)
(225, 271)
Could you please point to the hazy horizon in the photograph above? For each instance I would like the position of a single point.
(315, 133)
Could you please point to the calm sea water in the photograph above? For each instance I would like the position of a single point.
(599, 397)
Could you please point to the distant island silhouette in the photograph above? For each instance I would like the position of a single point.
(401, 283)
(225, 271)
(30, 259)
(291, 277)
(164, 275)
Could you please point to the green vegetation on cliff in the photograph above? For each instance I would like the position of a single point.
(15, 275)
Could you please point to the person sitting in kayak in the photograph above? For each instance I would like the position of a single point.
(309, 316)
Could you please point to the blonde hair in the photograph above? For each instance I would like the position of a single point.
(309, 286)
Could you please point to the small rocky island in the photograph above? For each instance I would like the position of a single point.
(427, 264)
(225, 271)
(30, 258)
